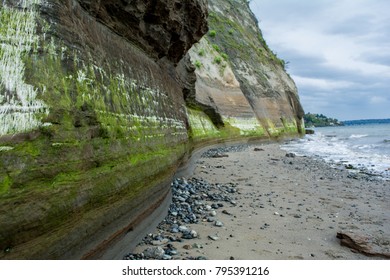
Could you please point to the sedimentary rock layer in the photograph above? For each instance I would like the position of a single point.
(99, 103)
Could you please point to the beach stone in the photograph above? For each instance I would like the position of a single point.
(174, 230)
(211, 219)
(309, 131)
(190, 234)
(349, 166)
(213, 237)
(183, 228)
(172, 252)
(218, 224)
(160, 242)
(219, 155)
(194, 233)
(226, 213)
(197, 246)
(213, 213)
(154, 253)
(167, 257)
(290, 155)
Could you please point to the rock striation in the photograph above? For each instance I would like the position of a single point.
(100, 103)
(241, 78)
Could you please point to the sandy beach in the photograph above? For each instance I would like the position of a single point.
(279, 206)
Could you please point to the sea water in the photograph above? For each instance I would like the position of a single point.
(361, 147)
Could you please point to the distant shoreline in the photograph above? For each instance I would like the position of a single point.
(367, 121)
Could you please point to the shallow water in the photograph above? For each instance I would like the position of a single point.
(365, 147)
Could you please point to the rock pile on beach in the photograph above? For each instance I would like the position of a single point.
(193, 201)
(261, 202)
(222, 151)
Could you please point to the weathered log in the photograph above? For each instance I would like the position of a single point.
(362, 244)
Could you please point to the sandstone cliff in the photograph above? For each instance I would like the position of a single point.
(99, 102)
(241, 78)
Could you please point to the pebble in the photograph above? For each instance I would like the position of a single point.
(154, 253)
(193, 200)
(226, 212)
(213, 237)
(160, 242)
(167, 257)
(218, 224)
(197, 246)
(183, 228)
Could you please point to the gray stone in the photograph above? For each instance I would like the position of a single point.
(213, 237)
(154, 253)
(160, 242)
(183, 228)
(218, 224)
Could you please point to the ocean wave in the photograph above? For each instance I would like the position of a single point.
(358, 136)
(367, 157)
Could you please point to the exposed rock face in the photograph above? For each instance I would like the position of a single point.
(163, 28)
(99, 102)
(240, 76)
(106, 122)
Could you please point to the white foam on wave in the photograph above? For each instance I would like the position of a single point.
(358, 136)
(340, 151)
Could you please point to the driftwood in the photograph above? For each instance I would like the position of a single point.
(362, 244)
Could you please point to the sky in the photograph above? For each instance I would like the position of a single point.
(338, 53)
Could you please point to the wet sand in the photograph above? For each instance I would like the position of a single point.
(285, 207)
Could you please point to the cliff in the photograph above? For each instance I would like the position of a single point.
(100, 102)
(240, 78)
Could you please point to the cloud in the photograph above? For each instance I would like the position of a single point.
(337, 47)
(322, 84)
(377, 100)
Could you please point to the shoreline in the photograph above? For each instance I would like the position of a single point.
(255, 201)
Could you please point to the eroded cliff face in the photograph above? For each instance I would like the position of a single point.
(241, 78)
(99, 102)
(93, 121)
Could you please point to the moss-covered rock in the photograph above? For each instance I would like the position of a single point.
(98, 107)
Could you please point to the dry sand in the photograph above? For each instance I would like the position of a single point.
(287, 208)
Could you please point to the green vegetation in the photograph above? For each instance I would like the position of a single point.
(212, 33)
(198, 64)
(218, 60)
(319, 120)
(244, 43)
(201, 52)
(225, 56)
(216, 47)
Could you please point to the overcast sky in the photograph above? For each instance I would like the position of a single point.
(338, 52)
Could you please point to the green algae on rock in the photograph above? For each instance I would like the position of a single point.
(100, 103)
